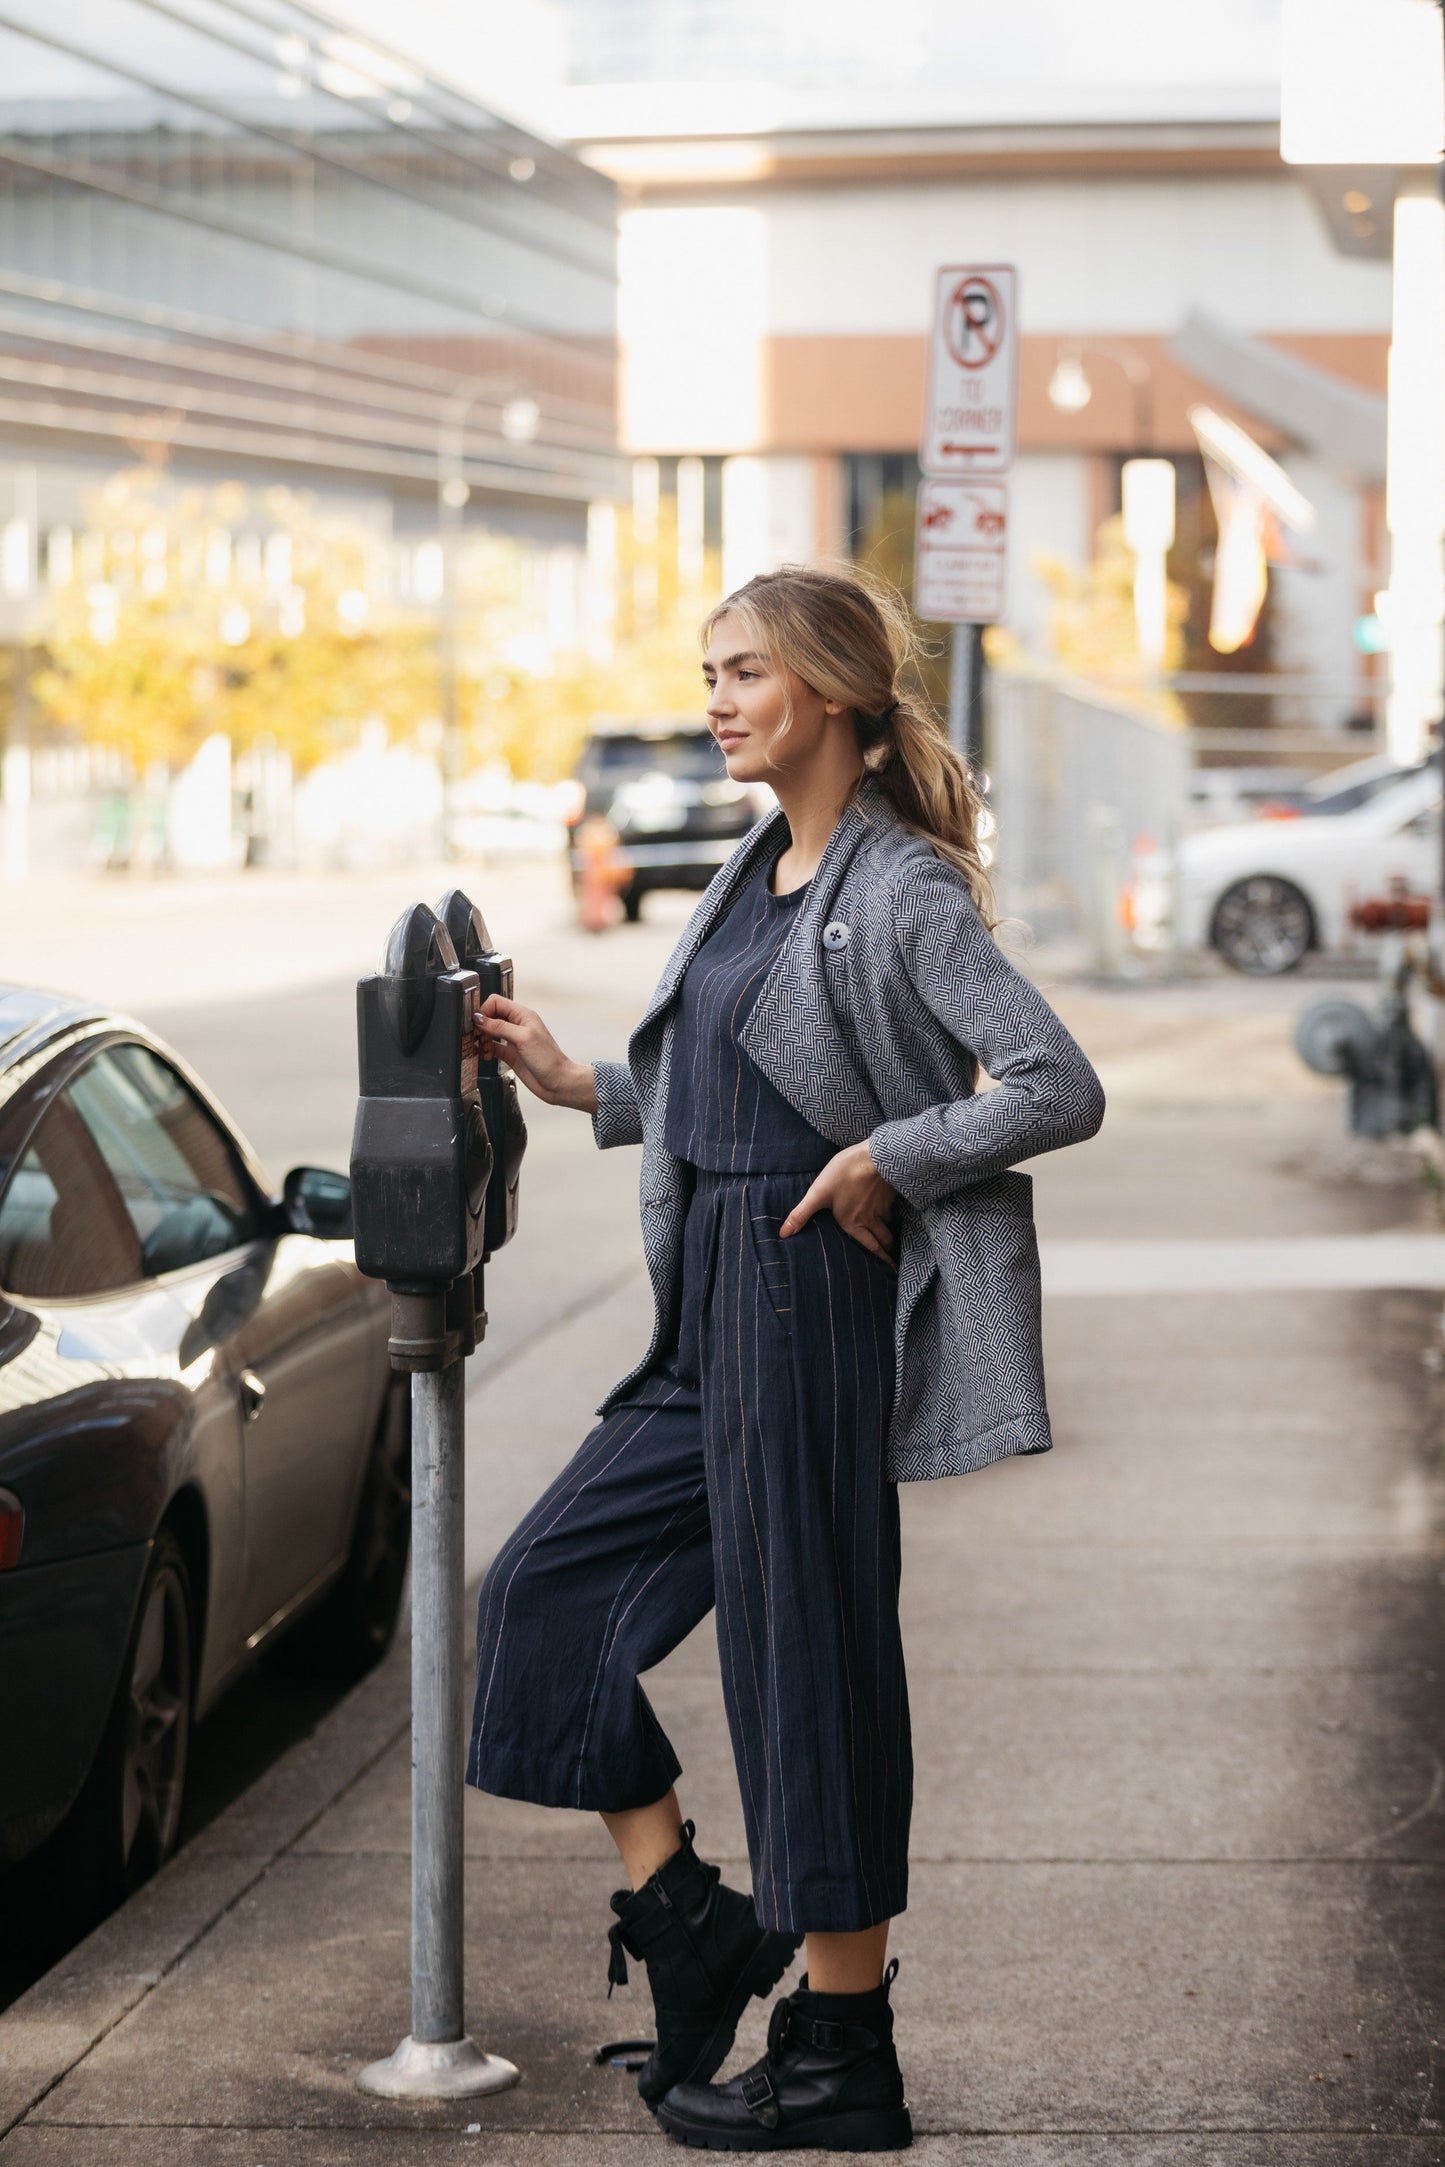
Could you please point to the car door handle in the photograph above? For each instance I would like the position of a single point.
(253, 1394)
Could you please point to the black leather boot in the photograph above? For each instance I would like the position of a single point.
(829, 2081)
(706, 1956)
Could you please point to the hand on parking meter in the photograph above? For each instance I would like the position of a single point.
(519, 1037)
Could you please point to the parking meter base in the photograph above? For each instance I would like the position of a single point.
(432, 1327)
(445, 2069)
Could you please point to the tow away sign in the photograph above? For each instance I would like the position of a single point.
(969, 422)
(961, 551)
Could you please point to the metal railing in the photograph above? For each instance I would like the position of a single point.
(1074, 781)
(1080, 773)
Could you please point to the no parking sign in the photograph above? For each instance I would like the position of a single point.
(969, 429)
(970, 422)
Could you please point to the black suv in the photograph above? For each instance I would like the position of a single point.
(663, 786)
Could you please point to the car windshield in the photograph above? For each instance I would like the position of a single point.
(1347, 795)
(692, 755)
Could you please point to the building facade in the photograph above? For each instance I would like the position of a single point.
(776, 290)
(246, 243)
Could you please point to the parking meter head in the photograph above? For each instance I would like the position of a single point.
(473, 943)
(468, 928)
(497, 1087)
(421, 1157)
(502, 1111)
(418, 950)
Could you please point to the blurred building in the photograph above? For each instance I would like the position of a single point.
(244, 243)
(790, 180)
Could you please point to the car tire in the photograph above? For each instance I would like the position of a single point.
(354, 1624)
(127, 1820)
(1263, 926)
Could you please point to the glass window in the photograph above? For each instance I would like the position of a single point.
(63, 1228)
(690, 753)
(177, 1173)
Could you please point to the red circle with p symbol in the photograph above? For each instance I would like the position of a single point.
(973, 325)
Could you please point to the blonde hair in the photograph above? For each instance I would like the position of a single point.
(851, 638)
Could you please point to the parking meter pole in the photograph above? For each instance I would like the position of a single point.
(437, 1470)
(431, 1198)
(436, 2060)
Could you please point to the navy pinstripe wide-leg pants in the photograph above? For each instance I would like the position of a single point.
(746, 1470)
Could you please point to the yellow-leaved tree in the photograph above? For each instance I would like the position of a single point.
(1092, 628)
(195, 610)
(528, 704)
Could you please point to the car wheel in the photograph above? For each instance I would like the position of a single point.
(632, 904)
(125, 1824)
(353, 1625)
(1263, 926)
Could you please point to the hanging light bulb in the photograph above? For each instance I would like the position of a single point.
(1069, 388)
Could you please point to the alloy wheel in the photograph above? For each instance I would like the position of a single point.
(1263, 926)
(157, 1728)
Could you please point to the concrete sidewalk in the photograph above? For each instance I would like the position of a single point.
(1178, 1849)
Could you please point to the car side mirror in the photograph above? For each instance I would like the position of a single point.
(317, 1202)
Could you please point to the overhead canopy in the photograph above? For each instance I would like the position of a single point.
(1340, 423)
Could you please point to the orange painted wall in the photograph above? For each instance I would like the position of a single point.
(865, 393)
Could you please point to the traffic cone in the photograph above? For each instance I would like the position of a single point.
(599, 876)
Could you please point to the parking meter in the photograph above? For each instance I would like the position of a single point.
(435, 1159)
(496, 1085)
(421, 1159)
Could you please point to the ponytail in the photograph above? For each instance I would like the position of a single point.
(851, 638)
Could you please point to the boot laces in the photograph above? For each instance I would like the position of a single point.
(622, 1947)
(617, 1962)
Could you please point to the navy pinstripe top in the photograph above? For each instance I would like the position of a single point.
(722, 1113)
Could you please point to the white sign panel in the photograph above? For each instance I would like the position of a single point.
(960, 561)
(969, 423)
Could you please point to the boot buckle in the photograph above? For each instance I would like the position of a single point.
(828, 2037)
(759, 2097)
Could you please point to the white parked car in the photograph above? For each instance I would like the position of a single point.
(1266, 892)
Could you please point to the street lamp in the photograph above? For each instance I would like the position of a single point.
(1070, 389)
(521, 418)
(453, 492)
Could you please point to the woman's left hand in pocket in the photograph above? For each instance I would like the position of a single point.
(852, 1189)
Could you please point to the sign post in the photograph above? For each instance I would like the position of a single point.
(969, 432)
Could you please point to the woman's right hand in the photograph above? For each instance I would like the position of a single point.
(519, 1037)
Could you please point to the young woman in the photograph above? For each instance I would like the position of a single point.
(846, 1288)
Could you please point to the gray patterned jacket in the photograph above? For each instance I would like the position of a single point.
(878, 1030)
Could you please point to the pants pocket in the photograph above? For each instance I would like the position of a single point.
(768, 1247)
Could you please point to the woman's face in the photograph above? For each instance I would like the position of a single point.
(748, 700)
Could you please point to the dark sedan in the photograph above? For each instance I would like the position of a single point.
(202, 1446)
(662, 786)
